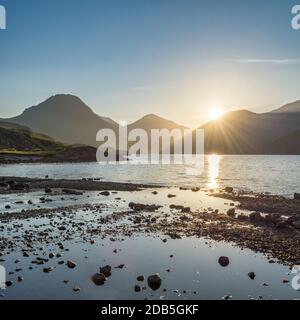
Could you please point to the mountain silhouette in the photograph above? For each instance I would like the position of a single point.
(65, 118)
(152, 121)
(245, 132)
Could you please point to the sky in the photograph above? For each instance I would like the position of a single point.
(127, 58)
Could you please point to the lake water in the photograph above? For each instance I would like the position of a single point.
(188, 267)
(259, 173)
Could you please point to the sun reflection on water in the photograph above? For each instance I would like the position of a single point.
(213, 170)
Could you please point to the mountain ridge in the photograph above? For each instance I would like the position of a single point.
(68, 119)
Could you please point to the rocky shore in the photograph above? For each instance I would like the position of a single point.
(269, 229)
(21, 185)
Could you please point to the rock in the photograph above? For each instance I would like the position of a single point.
(186, 210)
(296, 224)
(154, 281)
(76, 289)
(174, 236)
(48, 190)
(242, 217)
(140, 278)
(137, 288)
(7, 207)
(106, 270)
(251, 275)
(30, 202)
(271, 218)
(229, 189)
(19, 186)
(231, 212)
(155, 192)
(20, 279)
(282, 225)
(71, 264)
(176, 207)
(98, 279)
(4, 185)
(8, 283)
(227, 297)
(255, 217)
(143, 207)
(51, 255)
(72, 192)
(105, 193)
(196, 189)
(285, 281)
(47, 270)
(297, 196)
(224, 261)
(121, 266)
(183, 188)
(171, 196)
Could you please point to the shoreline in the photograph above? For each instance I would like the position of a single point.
(25, 185)
(269, 229)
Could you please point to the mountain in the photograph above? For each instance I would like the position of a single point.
(287, 144)
(293, 107)
(65, 118)
(16, 138)
(152, 121)
(68, 119)
(21, 144)
(245, 132)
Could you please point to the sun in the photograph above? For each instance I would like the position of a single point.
(215, 113)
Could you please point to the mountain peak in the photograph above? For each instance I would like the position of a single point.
(151, 116)
(293, 107)
(62, 102)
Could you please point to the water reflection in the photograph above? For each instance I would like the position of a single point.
(213, 170)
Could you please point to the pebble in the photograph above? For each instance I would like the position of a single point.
(71, 264)
(224, 261)
(98, 279)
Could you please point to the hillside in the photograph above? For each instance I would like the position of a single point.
(15, 138)
(21, 144)
(66, 118)
(245, 132)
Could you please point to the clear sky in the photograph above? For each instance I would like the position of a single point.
(127, 58)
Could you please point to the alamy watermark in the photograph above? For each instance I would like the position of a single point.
(2, 278)
(296, 279)
(296, 18)
(155, 146)
(2, 18)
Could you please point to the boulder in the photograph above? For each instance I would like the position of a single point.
(154, 281)
(105, 193)
(98, 279)
(231, 212)
(71, 264)
(224, 261)
(255, 217)
(137, 288)
(297, 196)
(106, 271)
(251, 275)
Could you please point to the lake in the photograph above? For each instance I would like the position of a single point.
(259, 173)
(189, 267)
